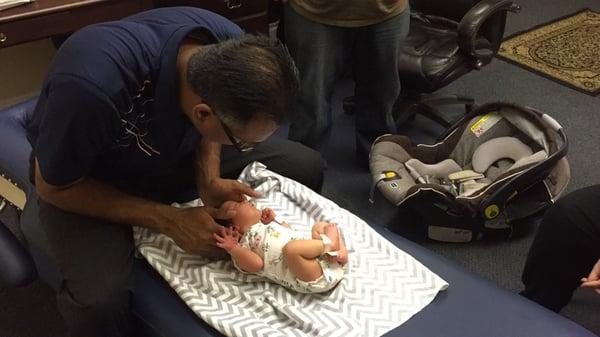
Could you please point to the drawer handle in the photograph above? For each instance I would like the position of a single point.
(233, 4)
(3, 37)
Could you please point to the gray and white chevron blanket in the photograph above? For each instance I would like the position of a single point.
(383, 287)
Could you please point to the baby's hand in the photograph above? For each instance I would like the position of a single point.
(228, 239)
(267, 216)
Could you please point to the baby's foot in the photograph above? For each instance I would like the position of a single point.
(333, 234)
(342, 254)
(337, 244)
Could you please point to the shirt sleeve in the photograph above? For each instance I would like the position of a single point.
(77, 123)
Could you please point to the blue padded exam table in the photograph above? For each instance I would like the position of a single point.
(470, 307)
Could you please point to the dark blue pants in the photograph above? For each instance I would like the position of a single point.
(321, 51)
(566, 247)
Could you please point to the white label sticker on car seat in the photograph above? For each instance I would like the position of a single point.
(485, 123)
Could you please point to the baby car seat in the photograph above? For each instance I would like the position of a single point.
(500, 158)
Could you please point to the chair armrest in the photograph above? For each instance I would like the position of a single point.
(474, 19)
(434, 20)
(17, 266)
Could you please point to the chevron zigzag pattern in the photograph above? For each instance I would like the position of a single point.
(383, 286)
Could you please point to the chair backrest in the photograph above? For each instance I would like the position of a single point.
(492, 30)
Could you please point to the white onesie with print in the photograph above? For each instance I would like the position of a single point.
(268, 241)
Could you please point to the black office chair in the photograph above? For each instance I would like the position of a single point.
(447, 39)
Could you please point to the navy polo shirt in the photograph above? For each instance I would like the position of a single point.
(109, 107)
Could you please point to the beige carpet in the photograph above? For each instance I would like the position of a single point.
(566, 50)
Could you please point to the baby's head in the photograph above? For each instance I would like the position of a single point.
(246, 214)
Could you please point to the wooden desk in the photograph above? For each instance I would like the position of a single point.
(46, 18)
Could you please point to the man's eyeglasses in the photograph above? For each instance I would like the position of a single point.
(240, 145)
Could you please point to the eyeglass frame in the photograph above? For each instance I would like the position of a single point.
(240, 145)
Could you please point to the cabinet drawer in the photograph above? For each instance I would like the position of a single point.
(68, 20)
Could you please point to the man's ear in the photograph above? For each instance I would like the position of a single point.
(202, 113)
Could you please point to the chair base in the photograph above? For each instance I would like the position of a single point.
(409, 105)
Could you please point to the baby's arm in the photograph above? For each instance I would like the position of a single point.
(244, 258)
(267, 215)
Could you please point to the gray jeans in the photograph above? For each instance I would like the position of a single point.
(321, 51)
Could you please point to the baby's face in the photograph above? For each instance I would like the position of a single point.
(246, 214)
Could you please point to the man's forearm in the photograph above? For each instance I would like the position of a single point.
(208, 162)
(95, 199)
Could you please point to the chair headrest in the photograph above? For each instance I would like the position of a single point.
(498, 148)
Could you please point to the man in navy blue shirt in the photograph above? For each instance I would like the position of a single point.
(132, 116)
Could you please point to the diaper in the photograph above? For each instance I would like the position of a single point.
(333, 273)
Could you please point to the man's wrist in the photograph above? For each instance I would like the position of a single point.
(160, 217)
(206, 182)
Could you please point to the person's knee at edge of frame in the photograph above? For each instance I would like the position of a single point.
(566, 214)
(564, 247)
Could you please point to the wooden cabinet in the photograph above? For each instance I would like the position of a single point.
(251, 15)
(46, 18)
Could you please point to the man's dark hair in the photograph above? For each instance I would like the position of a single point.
(242, 77)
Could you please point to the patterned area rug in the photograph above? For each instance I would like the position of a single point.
(566, 50)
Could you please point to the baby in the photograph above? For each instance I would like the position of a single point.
(261, 245)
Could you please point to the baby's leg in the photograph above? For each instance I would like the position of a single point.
(301, 258)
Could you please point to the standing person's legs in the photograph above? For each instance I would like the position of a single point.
(95, 259)
(377, 85)
(290, 159)
(318, 51)
(565, 248)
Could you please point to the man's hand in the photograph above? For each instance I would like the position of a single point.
(227, 239)
(219, 190)
(593, 280)
(193, 228)
(267, 216)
